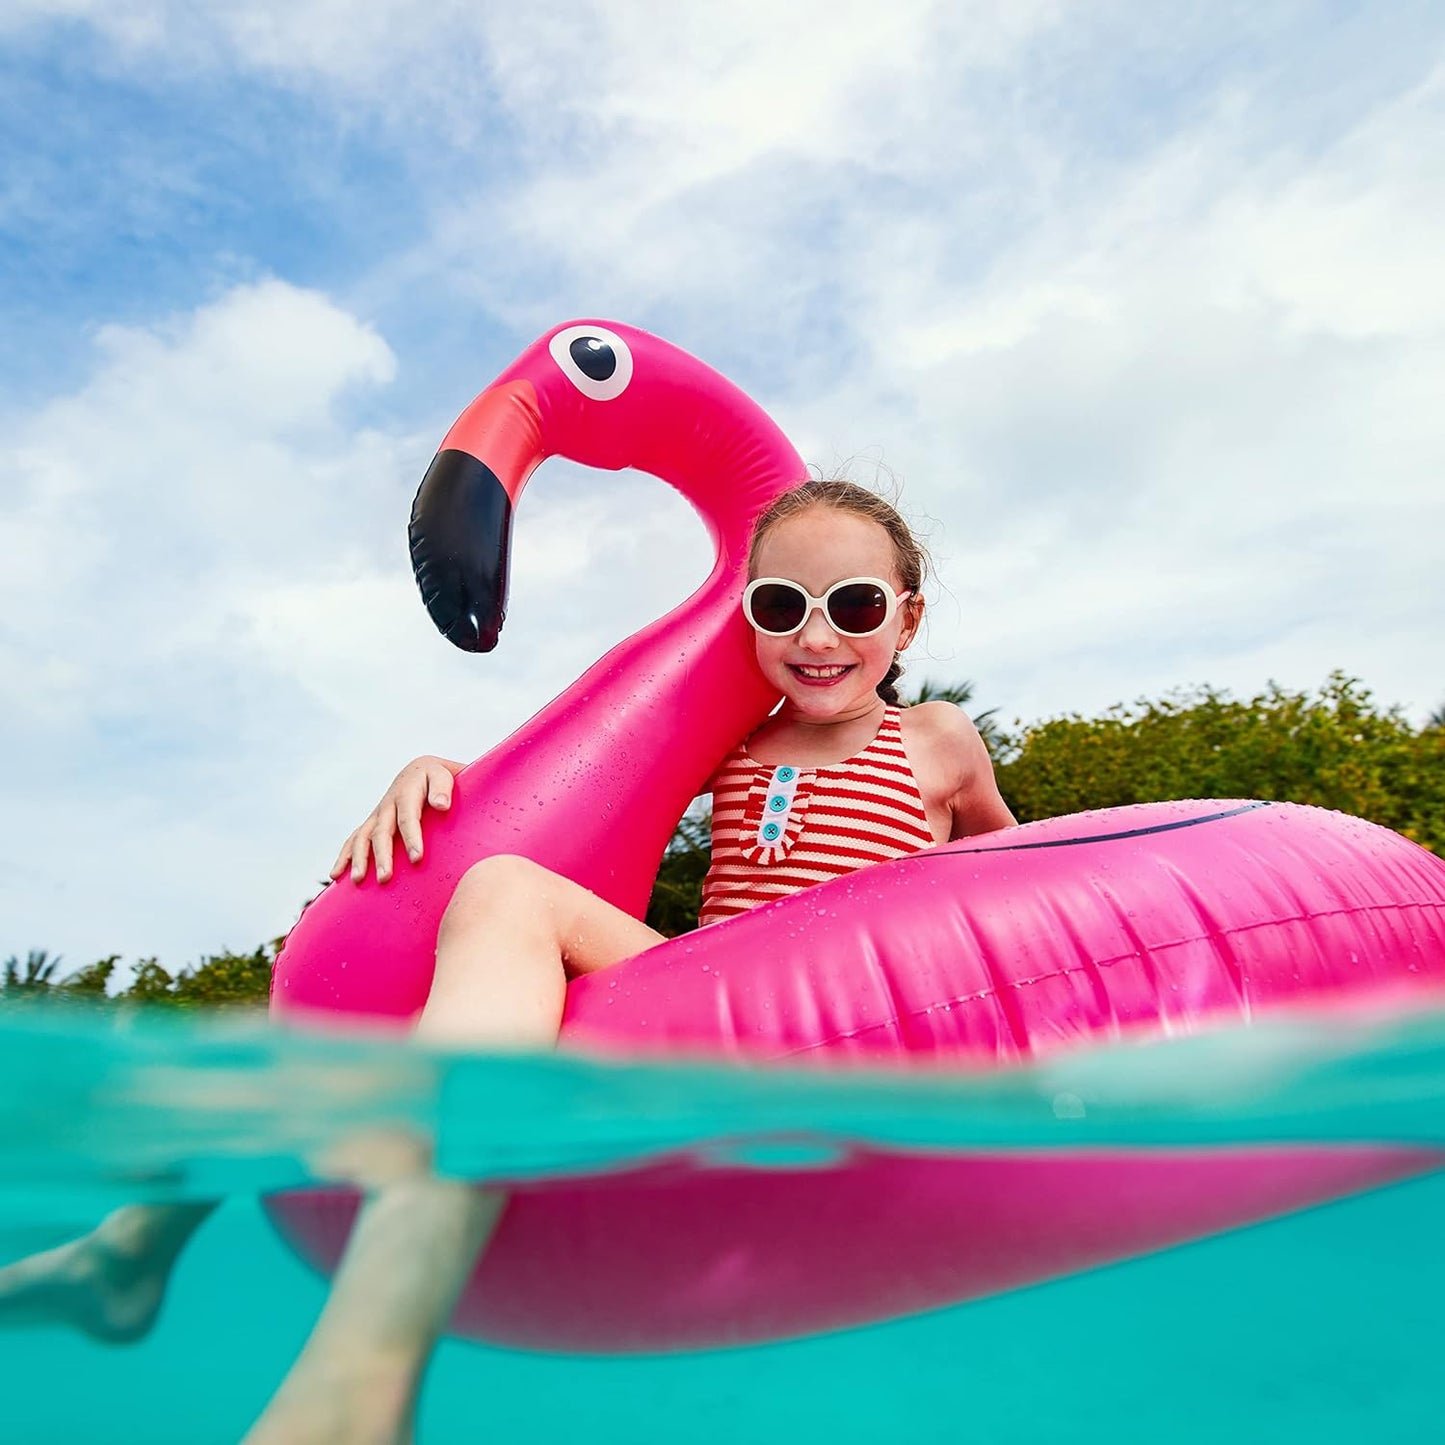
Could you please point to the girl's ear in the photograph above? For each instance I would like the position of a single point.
(913, 613)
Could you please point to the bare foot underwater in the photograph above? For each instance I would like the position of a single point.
(358, 1380)
(109, 1283)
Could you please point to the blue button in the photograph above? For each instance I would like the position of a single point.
(777, 802)
(771, 831)
(786, 774)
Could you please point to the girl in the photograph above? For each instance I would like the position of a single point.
(834, 599)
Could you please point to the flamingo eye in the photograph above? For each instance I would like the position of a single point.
(595, 360)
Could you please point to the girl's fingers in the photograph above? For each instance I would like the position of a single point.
(382, 833)
(360, 853)
(428, 784)
(411, 796)
(345, 858)
(439, 787)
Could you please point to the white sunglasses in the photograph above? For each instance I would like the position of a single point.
(854, 607)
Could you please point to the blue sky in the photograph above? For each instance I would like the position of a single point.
(1142, 303)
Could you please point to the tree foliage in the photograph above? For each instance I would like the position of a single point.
(35, 976)
(677, 891)
(220, 979)
(1335, 748)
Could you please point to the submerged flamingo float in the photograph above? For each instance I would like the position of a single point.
(1140, 921)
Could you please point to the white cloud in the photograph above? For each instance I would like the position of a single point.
(217, 655)
(1183, 431)
(205, 457)
(203, 452)
(1150, 317)
(1213, 333)
(610, 65)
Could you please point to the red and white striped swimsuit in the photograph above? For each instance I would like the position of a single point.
(776, 830)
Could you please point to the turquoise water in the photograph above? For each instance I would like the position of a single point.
(1320, 1327)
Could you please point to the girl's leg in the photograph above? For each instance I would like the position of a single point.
(110, 1282)
(510, 938)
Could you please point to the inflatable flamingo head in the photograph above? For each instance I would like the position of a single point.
(605, 395)
(592, 786)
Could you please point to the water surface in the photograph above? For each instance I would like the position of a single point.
(1320, 1327)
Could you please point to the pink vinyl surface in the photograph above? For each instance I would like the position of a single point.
(1156, 920)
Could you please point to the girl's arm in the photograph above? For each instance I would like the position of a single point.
(954, 766)
(977, 806)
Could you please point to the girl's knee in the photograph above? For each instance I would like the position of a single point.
(502, 878)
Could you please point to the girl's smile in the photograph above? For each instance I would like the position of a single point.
(827, 676)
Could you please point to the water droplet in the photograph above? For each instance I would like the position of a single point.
(1068, 1106)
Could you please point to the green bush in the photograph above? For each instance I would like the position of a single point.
(677, 891)
(1335, 749)
(223, 978)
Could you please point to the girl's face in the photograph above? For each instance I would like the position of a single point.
(824, 675)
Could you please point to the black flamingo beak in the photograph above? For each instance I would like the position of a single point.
(461, 539)
(461, 520)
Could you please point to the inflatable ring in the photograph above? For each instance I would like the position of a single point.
(1136, 922)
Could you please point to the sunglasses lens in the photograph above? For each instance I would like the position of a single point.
(858, 608)
(776, 607)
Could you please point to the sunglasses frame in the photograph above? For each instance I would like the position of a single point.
(820, 604)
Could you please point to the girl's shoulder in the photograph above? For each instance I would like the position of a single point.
(942, 742)
(944, 723)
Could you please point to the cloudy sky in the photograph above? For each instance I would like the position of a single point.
(1143, 304)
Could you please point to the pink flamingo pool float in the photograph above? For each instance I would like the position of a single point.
(1138, 922)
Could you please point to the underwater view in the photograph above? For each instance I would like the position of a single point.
(1320, 1326)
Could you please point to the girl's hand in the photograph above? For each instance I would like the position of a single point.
(427, 781)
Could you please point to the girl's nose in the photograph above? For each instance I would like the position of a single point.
(817, 634)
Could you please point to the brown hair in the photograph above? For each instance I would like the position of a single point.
(909, 555)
